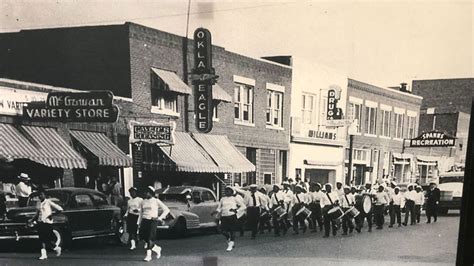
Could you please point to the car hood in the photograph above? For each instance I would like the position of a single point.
(21, 214)
(455, 187)
(176, 205)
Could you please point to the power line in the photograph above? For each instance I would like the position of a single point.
(152, 17)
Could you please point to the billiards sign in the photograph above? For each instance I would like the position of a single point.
(91, 106)
(433, 139)
(203, 78)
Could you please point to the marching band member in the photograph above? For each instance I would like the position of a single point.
(359, 219)
(339, 189)
(347, 201)
(149, 220)
(381, 200)
(45, 210)
(265, 220)
(410, 196)
(298, 201)
(369, 216)
(132, 214)
(227, 211)
(396, 202)
(277, 200)
(253, 201)
(242, 213)
(330, 200)
(390, 192)
(288, 197)
(419, 200)
(315, 206)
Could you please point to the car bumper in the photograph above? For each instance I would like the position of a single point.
(17, 231)
(163, 227)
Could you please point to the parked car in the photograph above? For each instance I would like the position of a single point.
(190, 208)
(450, 186)
(86, 214)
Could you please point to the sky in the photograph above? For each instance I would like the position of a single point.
(379, 42)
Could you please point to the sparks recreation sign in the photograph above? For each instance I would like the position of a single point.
(93, 106)
(433, 139)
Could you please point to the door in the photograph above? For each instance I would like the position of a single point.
(82, 216)
(105, 214)
(317, 175)
(209, 204)
(359, 174)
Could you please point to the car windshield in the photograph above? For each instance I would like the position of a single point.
(173, 197)
(57, 197)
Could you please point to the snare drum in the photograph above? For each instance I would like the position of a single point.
(335, 213)
(303, 213)
(264, 215)
(279, 212)
(352, 212)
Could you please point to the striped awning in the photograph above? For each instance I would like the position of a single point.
(189, 156)
(172, 81)
(55, 151)
(13, 145)
(219, 94)
(224, 153)
(105, 151)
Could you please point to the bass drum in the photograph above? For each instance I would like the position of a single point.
(366, 204)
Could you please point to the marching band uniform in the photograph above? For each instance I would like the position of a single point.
(132, 214)
(227, 209)
(381, 200)
(347, 201)
(368, 216)
(241, 213)
(340, 191)
(396, 202)
(298, 201)
(253, 201)
(330, 200)
(288, 197)
(265, 220)
(315, 207)
(277, 200)
(419, 200)
(410, 196)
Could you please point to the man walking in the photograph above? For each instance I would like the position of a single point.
(253, 201)
(433, 196)
(381, 200)
(410, 196)
(395, 212)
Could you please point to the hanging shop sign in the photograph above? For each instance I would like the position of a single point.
(203, 78)
(322, 135)
(152, 132)
(95, 106)
(13, 100)
(433, 139)
(333, 112)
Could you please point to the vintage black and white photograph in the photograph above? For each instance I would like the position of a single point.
(234, 132)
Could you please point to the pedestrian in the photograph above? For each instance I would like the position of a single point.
(328, 202)
(45, 209)
(227, 211)
(433, 197)
(277, 202)
(390, 192)
(396, 202)
(419, 200)
(265, 217)
(347, 201)
(132, 215)
(298, 202)
(253, 201)
(115, 191)
(150, 219)
(315, 207)
(381, 201)
(368, 191)
(410, 196)
(23, 189)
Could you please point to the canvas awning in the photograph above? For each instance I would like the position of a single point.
(219, 94)
(402, 156)
(13, 145)
(172, 81)
(426, 158)
(54, 151)
(224, 153)
(104, 151)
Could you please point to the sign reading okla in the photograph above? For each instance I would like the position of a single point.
(94, 106)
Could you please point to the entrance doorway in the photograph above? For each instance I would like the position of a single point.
(317, 175)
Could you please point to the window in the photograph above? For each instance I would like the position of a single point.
(370, 120)
(83, 200)
(359, 155)
(163, 100)
(399, 125)
(386, 116)
(207, 196)
(411, 127)
(274, 108)
(99, 200)
(243, 103)
(215, 114)
(355, 114)
(307, 103)
(267, 178)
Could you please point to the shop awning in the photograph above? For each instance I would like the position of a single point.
(224, 153)
(189, 156)
(13, 145)
(55, 152)
(219, 94)
(172, 81)
(425, 158)
(402, 156)
(321, 163)
(105, 152)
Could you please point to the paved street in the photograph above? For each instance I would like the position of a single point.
(423, 244)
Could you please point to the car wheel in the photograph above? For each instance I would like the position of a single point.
(120, 233)
(179, 229)
(61, 238)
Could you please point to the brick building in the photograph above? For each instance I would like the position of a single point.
(251, 98)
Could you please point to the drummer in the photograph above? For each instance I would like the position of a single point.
(276, 201)
(330, 200)
(359, 219)
(241, 213)
(339, 189)
(371, 193)
(287, 200)
(265, 208)
(381, 200)
(315, 206)
(347, 201)
(396, 201)
(298, 201)
(419, 200)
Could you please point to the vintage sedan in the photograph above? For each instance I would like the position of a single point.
(86, 214)
(190, 208)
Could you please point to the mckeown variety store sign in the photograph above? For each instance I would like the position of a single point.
(93, 106)
(433, 139)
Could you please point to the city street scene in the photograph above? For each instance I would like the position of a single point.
(233, 132)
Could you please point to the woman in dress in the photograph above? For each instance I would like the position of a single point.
(132, 215)
(227, 211)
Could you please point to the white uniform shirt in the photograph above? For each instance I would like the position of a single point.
(228, 206)
(276, 198)
(381, 198)
(259, 200)
(347, 200)
(46, 208)
(317, 197)
(288, 195)
(325, 200)
(419, 198)
(340, 193)
(150, 208)
(300, 198)
(265, 201)
(23, 190)
(410, 195)
(397, 199)
(134, 205)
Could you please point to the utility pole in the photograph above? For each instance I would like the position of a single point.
(185, 71)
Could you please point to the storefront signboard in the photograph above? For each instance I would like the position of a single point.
(12, 100)
(152, 132)
(433, 139)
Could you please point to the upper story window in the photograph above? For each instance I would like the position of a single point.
(399, 125)
(355, 112)
(371, 118)
(166, 101)
(274, 112)
(165, 88)
(386, 121)
(243, 103)
(307, 109)
(411, 125)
